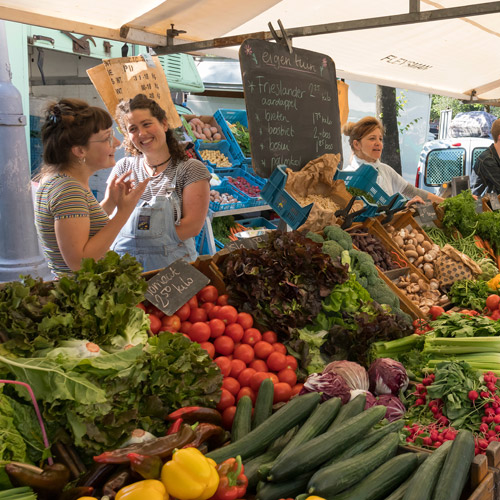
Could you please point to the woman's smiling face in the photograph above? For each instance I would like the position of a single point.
(145, 131)
(370, 146)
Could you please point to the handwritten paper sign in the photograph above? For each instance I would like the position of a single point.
(427, 213)
(292, 105)
(122, 78)
(173, 286)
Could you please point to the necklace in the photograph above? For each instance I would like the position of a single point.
(155, 167)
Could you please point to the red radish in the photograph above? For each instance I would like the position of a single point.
(492, 302)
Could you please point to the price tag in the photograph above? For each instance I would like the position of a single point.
(427, 213)
(248, 243)
(494, 202)
(479, 205)
(173, 286)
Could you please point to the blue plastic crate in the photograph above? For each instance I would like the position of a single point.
(283, 203)
(257, 222)
(225, 187)
(223, 147)
(255, 201)
(222, 116)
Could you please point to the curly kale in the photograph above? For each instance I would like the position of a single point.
(339, 235)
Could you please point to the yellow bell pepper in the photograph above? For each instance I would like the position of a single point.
(494, 283)
(150, 489)
(190, 475)
(312, 497)
(87, 498)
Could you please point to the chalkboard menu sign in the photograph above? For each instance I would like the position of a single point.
(427, 213)
(249, 243)
(292, 105)
(173, 286)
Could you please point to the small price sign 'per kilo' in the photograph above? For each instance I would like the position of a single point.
(427, 213)
(174, 285)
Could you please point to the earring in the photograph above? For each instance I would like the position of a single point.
(82, 160)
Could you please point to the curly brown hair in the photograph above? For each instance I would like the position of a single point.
(140, 101)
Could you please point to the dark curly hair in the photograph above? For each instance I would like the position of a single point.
(140, 101)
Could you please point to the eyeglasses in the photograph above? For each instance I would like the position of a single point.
(110, 140)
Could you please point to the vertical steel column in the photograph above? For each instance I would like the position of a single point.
(19, 249)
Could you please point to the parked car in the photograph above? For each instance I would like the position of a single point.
(441, 160)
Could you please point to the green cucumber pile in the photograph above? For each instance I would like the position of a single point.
(338, 452)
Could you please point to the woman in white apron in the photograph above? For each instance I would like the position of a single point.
(173, 208)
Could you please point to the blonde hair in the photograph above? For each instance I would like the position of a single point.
(356, 131)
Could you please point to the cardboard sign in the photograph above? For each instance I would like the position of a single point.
(122, 78)
(292, 105)
(173, 286)
(427, 213)
(494, 202)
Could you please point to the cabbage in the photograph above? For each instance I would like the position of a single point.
(355, 375)
(329, 384)
(387, 376)
(395, 408)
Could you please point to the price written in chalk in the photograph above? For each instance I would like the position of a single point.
(173, 286)
(248, 243)
(427, 213)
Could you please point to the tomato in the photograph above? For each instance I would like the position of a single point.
(276, 361)
(282, 392)
(245, 320)
(222, 300)
(235, 331)
(237, 366)
(228, 314)
(232, 385)
(207, 306)
(151, 309)
(244, 352)
(291, 362)
(296, 389)
(224, 345)
(257, 379)
(288, 376)
(259, 365)
(495, 315)
(246, 391)
(197, 314)
(492, 302)
(217, 327)
(193, 302)
(208, 294)
(245, 376)
(154, 324)
(209, 347)
(172, 323)
(273, 377)
(213, 312)
(263, 349)
(435, 312)
(270, 337)
(224, 365)
(199, 332)
(278, 346)
(183, 312)
(140, 305)
(185, 326)
(226, 400)
(228, 417)
(251, 336)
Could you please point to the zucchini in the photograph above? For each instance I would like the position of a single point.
(257, 440)
(424, 480)
(455, 470)
(349, 410)
(287, 489)
(264, 403)
(371, 438)
(382, 481)
(310, 455)
(242, 421)
(335, 478)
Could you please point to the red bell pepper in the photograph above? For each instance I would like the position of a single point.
(232, 480)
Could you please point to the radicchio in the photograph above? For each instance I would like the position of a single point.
(395, 408)
(329, 384)
(354, 374)
(387, 376)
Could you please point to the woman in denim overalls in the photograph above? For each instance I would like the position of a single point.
(174, 206)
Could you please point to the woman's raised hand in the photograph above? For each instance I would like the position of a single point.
(129, 195)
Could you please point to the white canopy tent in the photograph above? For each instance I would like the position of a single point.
(389, 42)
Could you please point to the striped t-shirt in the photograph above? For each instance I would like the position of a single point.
(61, 197)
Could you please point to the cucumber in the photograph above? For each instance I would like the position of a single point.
(257, 440)
(264, 402)
(371, 438)
(382, 481)
(400, 491)
(349, 410)
(287, 489)
(310, 455)
(242, 421)
(425, 479)
(455, 470)
(335, 478)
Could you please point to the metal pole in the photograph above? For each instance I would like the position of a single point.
(19, 249)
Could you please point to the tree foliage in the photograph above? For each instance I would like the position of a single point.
(440, 103)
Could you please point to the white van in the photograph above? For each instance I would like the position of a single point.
(443, 159)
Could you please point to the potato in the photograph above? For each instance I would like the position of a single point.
(214, 130)
(207, 132)
(217, 137)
